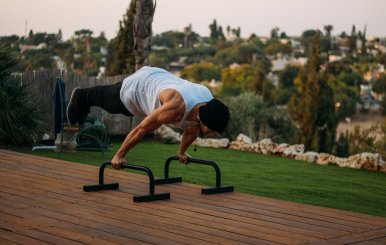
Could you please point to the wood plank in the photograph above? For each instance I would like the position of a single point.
(42, 200)
(141, 233)
(193, 214)
(74, 236)
(311, 207)
(340, 226)
(356, 238)
(6, 242)
(12, 237)
(376, 241)
(29, 219)
(130, 217)
(343, 226)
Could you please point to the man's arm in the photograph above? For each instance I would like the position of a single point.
(164, 114)
(190, 134)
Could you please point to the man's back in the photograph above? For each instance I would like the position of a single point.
(140, 92)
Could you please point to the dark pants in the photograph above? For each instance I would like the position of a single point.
(107, 97)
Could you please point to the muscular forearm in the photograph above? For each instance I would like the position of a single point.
(187, 139)
(130, 141)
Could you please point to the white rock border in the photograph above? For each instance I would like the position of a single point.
(367, 161)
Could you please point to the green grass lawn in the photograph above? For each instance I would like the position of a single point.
(270, 176)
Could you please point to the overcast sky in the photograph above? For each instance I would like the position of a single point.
(252, 16)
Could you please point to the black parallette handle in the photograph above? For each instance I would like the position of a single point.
(194, 160)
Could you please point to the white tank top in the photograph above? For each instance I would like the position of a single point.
(140, 92)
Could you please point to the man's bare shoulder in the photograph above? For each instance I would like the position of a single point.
(172, 103)
(171, 96)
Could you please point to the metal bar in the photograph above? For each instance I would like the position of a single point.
(144, 169)
(100, 187)
(194, 160)
(145, 198)
(217, 189)
(102, 171)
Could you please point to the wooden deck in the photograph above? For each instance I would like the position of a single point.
(42, 201)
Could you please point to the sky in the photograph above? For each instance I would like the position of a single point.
(252, 16)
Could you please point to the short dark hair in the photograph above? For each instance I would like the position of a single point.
(214, 115)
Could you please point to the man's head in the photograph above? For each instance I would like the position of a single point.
(214, 115)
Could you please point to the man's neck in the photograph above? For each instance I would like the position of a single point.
(193, 114)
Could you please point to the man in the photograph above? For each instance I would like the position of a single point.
(161, 98)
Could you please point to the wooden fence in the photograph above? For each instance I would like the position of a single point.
(42, 84)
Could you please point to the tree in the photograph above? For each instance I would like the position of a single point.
(81, 34)
(306, 39)
(312, 107)
(345, 96)
(187, 33)
(130, 50)
(326, 118)
(383, 105)
(342, 148)
(275, 33)
(278, 48)
(59, 36)
(288, 75)
(120, 58)
(172, 39)
(251, 116)
(214, 30)
(201, 72)
(260, 78)
(39, 59)
(142, 30)
(9, 42)
(380, 85)
(328, 38)
(352, 41)
(238, 79)
(351, 78)
(237, 32)
(362, 37)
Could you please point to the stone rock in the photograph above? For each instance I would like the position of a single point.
(242, 143)
(267, 146)
(255, 147)
(167, 135)
(343, 162)
(243, 138)
(279, 149)
(214, 143)
(293, 150)
(309, 156)
(368, 161)
(325, 159)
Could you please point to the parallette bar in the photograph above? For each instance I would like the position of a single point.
(207, 191)
(146, 198)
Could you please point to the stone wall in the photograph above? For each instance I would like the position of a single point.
(367, 161)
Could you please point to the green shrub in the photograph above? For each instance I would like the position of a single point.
(20, 118)
(369, 140)
(252, 117)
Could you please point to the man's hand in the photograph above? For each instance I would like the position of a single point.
(117, 162)
(184, 158)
